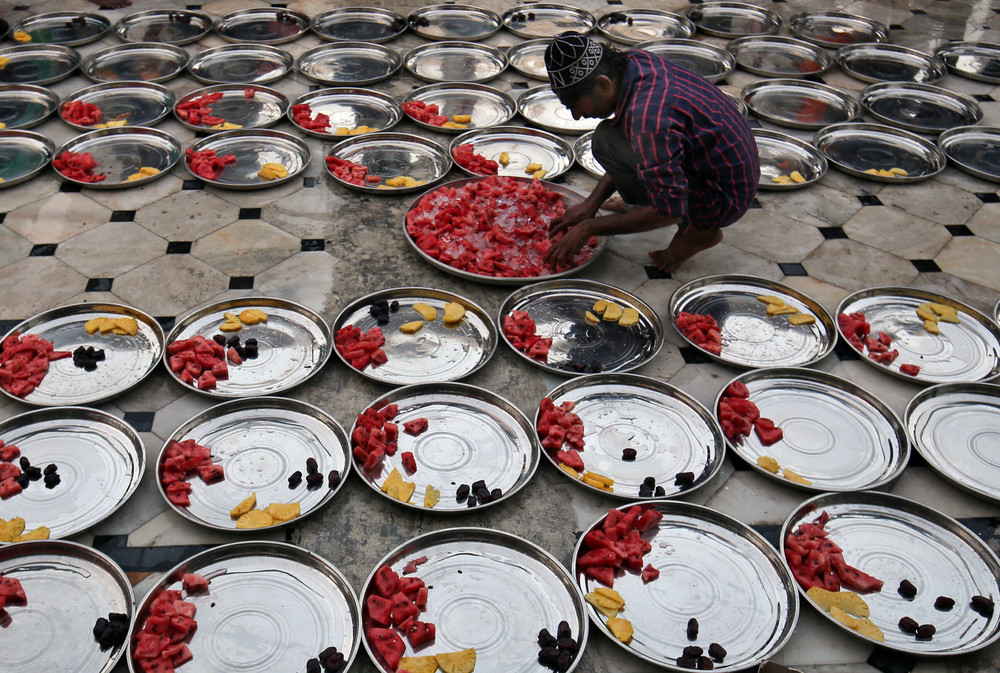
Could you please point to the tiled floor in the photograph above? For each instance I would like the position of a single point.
(176, 244)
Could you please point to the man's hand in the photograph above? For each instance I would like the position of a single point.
(573, 216)
(563, 251)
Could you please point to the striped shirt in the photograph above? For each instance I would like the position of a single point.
(697, 155)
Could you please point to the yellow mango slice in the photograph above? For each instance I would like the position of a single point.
(792, 476)
(21, 36)
(608, 602)
(453, 311)
(932, 326)
(797, 177)
(11, 529)
(398, 181)
(504, 159)
(590, 318)
(232, 323)
(872, 171)
(461, 119)
(782, 309)
(863, 626)
(453, 125)
(40, 533)
(393, 480)
(531, 168)
(781, 180)
(621, 629)
(283, 511)
(539, 174)
(411, 327)
(600, 306)
(405, 491)
(432, 496)
(600, 478)
(569, 470)
(418, 664)
(412, 182)
(770, 299)
(244, 506)
(255, 518)
(613, 312)
(457, 662)
(3, 64)
(945, 313)
(896, 170)
(925, 312)
(426, 311)
(848, 601)
(630, 316)
(769, 464)
(802, 319)
(252, 316)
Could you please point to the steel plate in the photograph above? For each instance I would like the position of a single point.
(171, 26)
(136, 61)
(23, 106)
(921, 108)
(350, 108)
(69, 29)
(472, 434)
(632, 26)
(38, 63)
(488, 107)
(23, 155)
(270, 606)
(240, 64)
(121, 152)
(954, 427)
(294, 344)
(135, 103)
(711, 62)
(738, 102)
(558, 308)
(974, 60)
(670, 431)
(713, 568)
(733, 19)
(266, 107)
(996, 313)
(262, 25)
(773, 56)
(547, 20)
(44, 636)
(751, 338)
(349, 63)
(358, 24)
(541, 107)
(528, 58)
(455, 62)
(100, 459)
(963, 353)
(259, 443)
(800, 104)
(877, 62)
(523, 146)
(781, 154)
(837, 435)
(454, 22)
(393, 155)
(475, 577)
(855, 148)
(585, 155)
(836, 29)
(253, 148)
(893, 539)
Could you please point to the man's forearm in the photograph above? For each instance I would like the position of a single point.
(601, 193)
(636, 220)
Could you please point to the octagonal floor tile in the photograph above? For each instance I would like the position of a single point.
(245, 247)
(933, 201)
(900, 233)
(12, 246)
(306, 278)
(57, 218)
(855, 265)
(36, 284)
(725, 258)
(170, 285)
(818, 205)
(138, 197)
(111, 249)
(986, 222)
(772, 236)
(187, 215)
(972, 259)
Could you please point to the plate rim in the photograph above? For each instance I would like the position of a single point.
(318, 18)
(936, 67)
(281, 98)
(75, 141)
(544, 90)
(70, 55)
(850, 127)
(768, 18)
(302, 20)
(880, 29)
(389, 103)
(182, 58)
(469, 135)
(679, 19)
(489, 14)
(93, 18)
(165, 94)
(472, 87)
(851, 103)
(51, 98)
(46, 143)
(132, 18)
(825, 61)
(286, 59)
(804, 145)
(954, 44)
(872, 91)
(488, 51)
(585, 16)
(393, 56)
(198, 144)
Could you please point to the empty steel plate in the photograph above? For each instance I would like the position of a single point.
(877, 62)
(921, 108)
(858, 148)
(711, 62)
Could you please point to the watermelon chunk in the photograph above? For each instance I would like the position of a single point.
(9, 488)
(388, 644)
(420, 633)
(603, 574)
(194, 583)
(386, 581)
(9, 452)
(379, 609)
(403, 608)
(409, 462)
(909, 370)
(12, 591)
(415, 427)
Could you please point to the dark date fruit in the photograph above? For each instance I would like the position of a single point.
(926, 631)
(684, 479)
(563, 631)
(496, 493)
(471, 502)
(52, 480)
(645, 491)
(24, 463)
(546, 639)
(99, 626)
(312, 466)
(628, 454)
(333, 479)
(906, 589)
(565, 659)
(462, 493)
(567, 644)
(548, 656)
(717, 651)
(219, 339)
(705, 664)
(659, 492)
(692, 629)
(50, 468)
(312, 666)
(314, 481)
(982, 605)
(693, 651)
(908, 624)
(687, 662)
(649, 481)
(294, 479)
(944, 603)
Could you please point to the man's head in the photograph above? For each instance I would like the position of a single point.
(585, 74)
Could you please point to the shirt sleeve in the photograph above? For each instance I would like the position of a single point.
(661, 170)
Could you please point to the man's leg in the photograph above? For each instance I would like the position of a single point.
(613, 151)
(686, 243)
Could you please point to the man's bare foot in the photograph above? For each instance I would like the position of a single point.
(684, 246)
(614, 204)
(111, 4)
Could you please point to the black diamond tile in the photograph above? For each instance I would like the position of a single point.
(754, 124)
(70, 188)
(777, 1)
(122, 216)
(201, 134)
(916, 460)
(925, 265)
(8, 325)
(99, 284)
(987, 197)
(896, 26)
(888, 661)
(280, 5)
(313, 244)
(792, 269)
(843, 351)
(178, 247)
(142, 421)
(193, 184)
(918, 12)
(693, 356)
(308, 183)
(315, 87)
(43, 250)
(21, 8)
(241, 283)
(870, 200)
(249, 213)
(958, 230)
(831, 233)
(166, 322)
(614, 2)
(756, 204)
(519, 85)
(655, 274)
(3, 216)
(983, 97)
(192, 6)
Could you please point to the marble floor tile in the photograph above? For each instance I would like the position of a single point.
(977, 296)
(306, 278)
(856, 266)
(986, 222)
(826, 294)
(773, 236)
(101, 252)
(897, 232)
(170, 285)
(12, 246)
(757, 500)
(22, 300)
(170, 417)
(187, 215)
(725, 258)
(937, 203)
(973, 259)
(927, 487)
(245, 247)
(42, 187)
(57, 218)
(139, 197)
(817, 205)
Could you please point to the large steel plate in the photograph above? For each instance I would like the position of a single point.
(262, 25)
(834, 30)
(69, 29)
(528, 58)
(584, 153)
(733, 19)
(358, 24)
(455, 62)
(349, 63)
(974, 149)
(392, 155)
(121, 152)
(454, 22)
(782, 154)
(136, 61)
(711, 62)
(38, 63)
(878, 62)
(524, 147)
(547, 20)
(487, 106)
(253, 148)
(772, 56)
(542, 107)
(349, 108)
(265, 108)
(800, 104)
(240, 64)
(171, 26)
(920, 108)
(857, 147)
(974, 60)
(135, 103)
(632, 26)
(23, 106)
(23, 155)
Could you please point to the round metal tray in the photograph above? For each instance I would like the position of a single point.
(528, 58)
(670, 431)
(751, 338)
(974, 149)
(23, 106)
(893, 539)
(773, 56)
(488, 106)
(963, 353)
(55, 574)
(100, 459)
(127, 359)
(921, 108)
(454, 22)
(711, 62)
(800, 104)
(632, 26)
(585, 156)
(714, 569)
(259, 443)
(358, 24)
(293, 344)
(121, 152)
(472, 434)
(541, 107)
(266, 108)
(270, 606)
(781, 154)
(393, 155)
(547, 20)
(439, 352)
(738, 102)
(38, 63)
(973, 60)
(135, 103)
(952, 426)
(855, 148)
(170, 26)
(349, 108)
(558, 308)
(837, 29)
(524, 146)
(69, 29)
(877, 62)
(349, 63)
(23, 155)
(837, 435)
(262, 25)
(240, 64)
(733, 19)
(253, 148)
(136, 61)
(455, 62)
